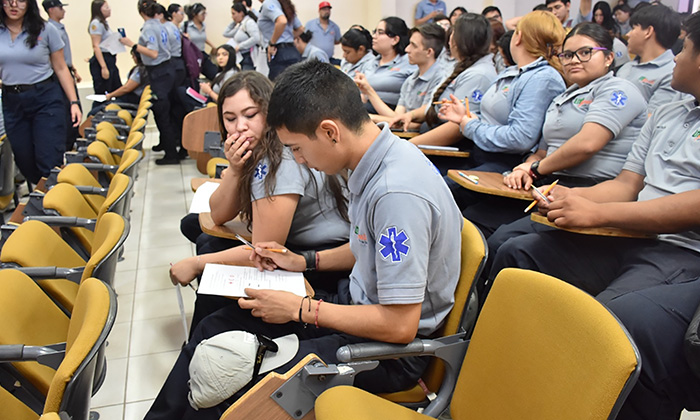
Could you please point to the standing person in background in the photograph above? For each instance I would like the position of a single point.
(307, 50)
(177, 108)
(155, 52)
(279, 25)
(196, 31)
(560, 8)
(56, 12)
(103, 64)
(326, 32)
(244, 32)
(33, 106)
(426, 10)
(357, 50)
(602, 15)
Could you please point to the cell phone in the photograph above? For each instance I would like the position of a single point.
(122, 32)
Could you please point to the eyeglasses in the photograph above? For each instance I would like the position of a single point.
(583, 54)
(18, 3)
(379, 32)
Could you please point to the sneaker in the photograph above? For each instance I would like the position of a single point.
(168, 161)
(182, 153)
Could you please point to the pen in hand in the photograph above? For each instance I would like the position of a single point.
(542, 195)
(277, 250)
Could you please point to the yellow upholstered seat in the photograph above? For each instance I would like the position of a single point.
(541, 349)
(101, 152)
(109, 138)
(473, 256)
(126, 116)
(78, 175)
(14, 409)
(211, 165)
(113, 107)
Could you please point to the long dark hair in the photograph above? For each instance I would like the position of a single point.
(192, 10)
(140, 67)
(259, 88)
(595, 32)
(289, 10)
(608, 21)
(32, 22)
(240, 7)
(472, 36)
(96, 12)
(148, 7)
(231, 64)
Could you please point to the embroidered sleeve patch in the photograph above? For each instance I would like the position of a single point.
(260, 171)
(393, 244)
(618, 98)
(477, 95)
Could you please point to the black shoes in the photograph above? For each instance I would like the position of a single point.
(168, 161)
(157, 148)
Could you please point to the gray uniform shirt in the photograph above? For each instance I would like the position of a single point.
(472, 83)
(20, 65)
(174, 39)
(216, 87)
(97, 28)
(609, 101)
(246, 34)
(447, 62)
(312, 52)
(351, 68)
(324, 39)
(269, 12)
(653, 79)
(667, 154)
(418, 90)
(387, 79)
(154, 36)
(67, 55)
(136, 76)
(405, 231)
(316, 220)
(622, 57)
(197, 37)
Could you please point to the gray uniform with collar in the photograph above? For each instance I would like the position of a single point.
(269, 12)
(154, 36)
(350, 69)
(405, 231)
(609, 101)
(97, 28)
(418, 90)
(64, 36)
(20, 65)
(472, 83)
(312, 52)
(316, 221)
(387, 79)
(653, 79)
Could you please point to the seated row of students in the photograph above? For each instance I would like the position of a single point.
(392, 294)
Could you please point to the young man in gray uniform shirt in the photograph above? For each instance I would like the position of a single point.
(652, 285)
(654, 30)
(404, 248)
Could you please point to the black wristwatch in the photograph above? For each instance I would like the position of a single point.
(534, 173)
(310, 258)
(75, 102)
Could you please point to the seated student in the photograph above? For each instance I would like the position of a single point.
(405, 265)
(654, 30)
(390, 67)
(424, 46)
(131, 91)
(474, 73)
(514, 106)
(226, 60)
(587, 133)
(561, 9)
(357, 50)
(309, 51)
(281, 200)
(622, 13)
(602, 15)
(651, 285)
(445, 59)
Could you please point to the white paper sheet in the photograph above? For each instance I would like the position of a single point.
(231, 280)
(200, 201)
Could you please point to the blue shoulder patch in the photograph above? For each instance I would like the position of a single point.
(618, 98)
(394, 244)
(477, 95)
(164, 36)
(260, 171)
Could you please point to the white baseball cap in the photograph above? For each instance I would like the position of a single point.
(223, 364)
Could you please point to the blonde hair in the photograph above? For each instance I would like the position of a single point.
(542, 35)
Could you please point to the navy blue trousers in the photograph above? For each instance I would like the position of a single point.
(35, 122)
(285, 57)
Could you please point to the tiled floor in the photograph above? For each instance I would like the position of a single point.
(146, 338)
(148, 333)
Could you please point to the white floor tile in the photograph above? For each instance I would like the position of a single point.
(687, 415)
(118, 341)
(124, 282)
(163, 256)
(161, 303)
(112, 412)
(125, 306)
(157, 335)
(153, 278)
(147, 374)
(137, 410)
(130, 261)
(113, 388)
(158, 240)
